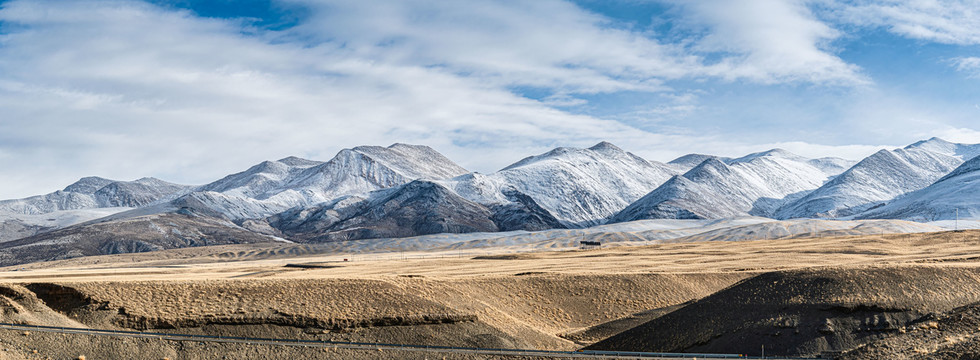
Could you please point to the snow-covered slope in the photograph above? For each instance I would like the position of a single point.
(960, 151)
(565, 187)
(16, 226)
(96, 192)
(266, 177)
(579, 187)
(420, 207)
(832, 165)
(274, 186)
(751, 185)
(417, 208)
(880, 177)
(955, 195)
(687, 162)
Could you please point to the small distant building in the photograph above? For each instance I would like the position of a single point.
(589, 245)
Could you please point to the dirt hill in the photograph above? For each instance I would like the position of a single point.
(805, 312)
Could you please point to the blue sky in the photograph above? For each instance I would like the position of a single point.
(189, 91)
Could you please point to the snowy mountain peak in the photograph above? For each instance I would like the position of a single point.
(96, 193)
(691, 159)
(710, 167)
(662, 203)
(413, 161)
(940, 146)
(298, 161)
(755, 184)
(606, 146)
(580, 187)
(152, 181)
(418, 207)
(953, 196)
(687, 162)
(271, 187)
(832, 165)
(554, 153)
(933, 142)
(877, 178)
(257, 179)
(88, 185)
(780, 153)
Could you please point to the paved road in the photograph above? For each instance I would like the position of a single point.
(375, 346)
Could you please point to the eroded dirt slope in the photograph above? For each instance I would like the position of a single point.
(805, 312)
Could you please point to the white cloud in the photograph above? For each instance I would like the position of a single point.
(943, 21)
(773, 41)
(969, 65)
(555, 44)
(543, 43)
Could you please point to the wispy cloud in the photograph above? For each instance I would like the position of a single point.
(943, 21)
(770, 41)
(969, 65)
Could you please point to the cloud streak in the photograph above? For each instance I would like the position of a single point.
(943, 21)
(969, 65)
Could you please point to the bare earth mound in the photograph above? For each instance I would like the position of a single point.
(951, 335)
(804, 312)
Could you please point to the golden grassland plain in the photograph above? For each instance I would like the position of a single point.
(496, 298)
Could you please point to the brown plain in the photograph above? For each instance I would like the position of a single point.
(533, 299)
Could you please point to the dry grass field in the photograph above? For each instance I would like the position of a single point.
(558, 300)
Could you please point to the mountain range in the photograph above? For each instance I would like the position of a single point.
(407, 190)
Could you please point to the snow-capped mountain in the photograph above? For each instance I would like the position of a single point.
(274, 186)
(579, 187)
(406, 190)
(565, 187)
(751, 185)
(420, 207)
(96, 192)
(955, 195)
(261, 179)
(880, 177)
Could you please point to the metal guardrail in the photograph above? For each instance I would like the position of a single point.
(381, 346)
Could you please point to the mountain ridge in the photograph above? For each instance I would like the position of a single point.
(408, 190)
(880, 177)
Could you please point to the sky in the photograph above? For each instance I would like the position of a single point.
(189, 91)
